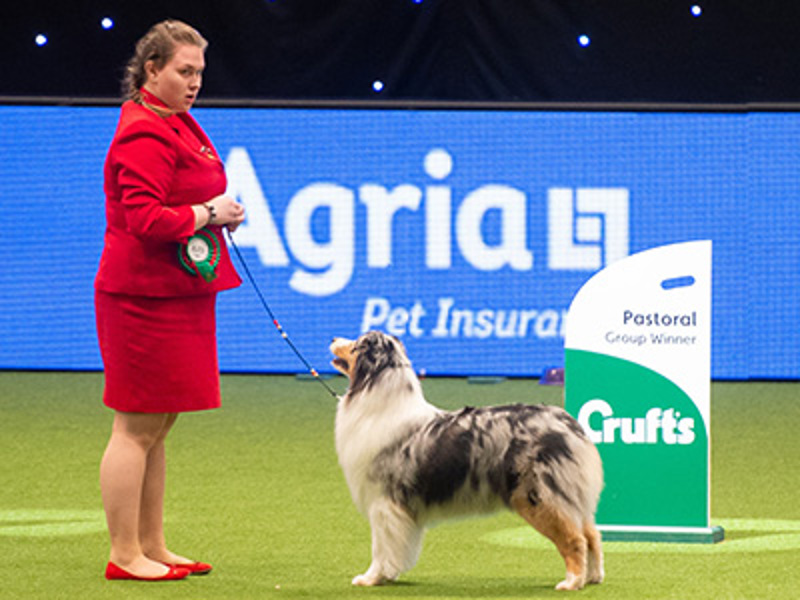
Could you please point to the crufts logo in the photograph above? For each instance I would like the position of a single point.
(587, 228)
(656, 426)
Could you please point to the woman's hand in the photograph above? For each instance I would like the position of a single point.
(226, 210)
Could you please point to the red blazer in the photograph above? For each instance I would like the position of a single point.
(156, 168)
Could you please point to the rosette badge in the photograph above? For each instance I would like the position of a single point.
(201, 254)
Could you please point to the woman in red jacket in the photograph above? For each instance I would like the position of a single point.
(163, 262)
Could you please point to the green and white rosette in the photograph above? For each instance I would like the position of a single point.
(201, 254)
(637, 378)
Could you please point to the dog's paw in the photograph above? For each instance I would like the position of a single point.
(596, 577)
(571, 583)
(367, 580)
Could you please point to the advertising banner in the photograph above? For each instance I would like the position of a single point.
(466, 233)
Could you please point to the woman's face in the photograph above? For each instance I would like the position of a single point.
(178, 82)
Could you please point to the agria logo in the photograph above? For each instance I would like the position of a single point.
(587, 228)
(657, 426)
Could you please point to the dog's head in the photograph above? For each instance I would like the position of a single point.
(365, 360)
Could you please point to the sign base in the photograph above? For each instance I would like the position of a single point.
(675, 535)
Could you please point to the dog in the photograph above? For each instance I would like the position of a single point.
(409, 464)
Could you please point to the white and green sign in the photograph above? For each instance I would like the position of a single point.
(637, 377)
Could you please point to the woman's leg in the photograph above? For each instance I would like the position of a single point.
(151, 516)
(131, 475)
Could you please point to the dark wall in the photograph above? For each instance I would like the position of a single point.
(485, 50)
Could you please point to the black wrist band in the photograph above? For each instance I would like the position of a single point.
(212, 213)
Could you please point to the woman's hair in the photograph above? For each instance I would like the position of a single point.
(157, 45)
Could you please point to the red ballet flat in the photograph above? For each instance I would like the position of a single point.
(195, 568)
(113, 572)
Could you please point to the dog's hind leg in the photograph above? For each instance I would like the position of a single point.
(396, 543)
(564, 533)
(595, 572)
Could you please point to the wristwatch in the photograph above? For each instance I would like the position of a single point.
(212, 213)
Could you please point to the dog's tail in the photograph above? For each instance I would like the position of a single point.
(589, 477)
(567, 471)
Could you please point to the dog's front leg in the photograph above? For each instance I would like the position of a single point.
(396, 543)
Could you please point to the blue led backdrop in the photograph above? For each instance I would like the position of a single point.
(464, 233)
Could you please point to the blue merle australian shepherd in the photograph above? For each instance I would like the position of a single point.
(409, 464)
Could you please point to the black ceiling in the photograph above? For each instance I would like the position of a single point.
(463, 50)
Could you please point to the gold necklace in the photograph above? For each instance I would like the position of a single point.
(161, 112)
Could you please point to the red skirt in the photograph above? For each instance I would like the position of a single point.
(160, 354)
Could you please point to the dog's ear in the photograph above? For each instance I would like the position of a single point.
(375, 353)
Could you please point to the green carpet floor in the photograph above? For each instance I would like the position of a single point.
(255, 489)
